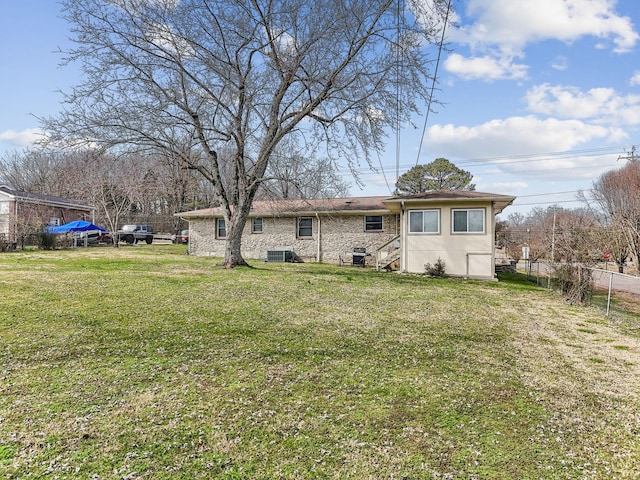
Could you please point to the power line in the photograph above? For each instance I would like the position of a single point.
(554, 193)
(433, 83)
(534, 157)
(552, 155)
(543, 203)
(528, 172)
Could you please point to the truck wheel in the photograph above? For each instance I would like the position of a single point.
(129, 239)
(149, 239)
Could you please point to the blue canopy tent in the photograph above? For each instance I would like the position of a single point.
(75, 226)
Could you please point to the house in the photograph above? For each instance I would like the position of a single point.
(23, 213)
(408, 232)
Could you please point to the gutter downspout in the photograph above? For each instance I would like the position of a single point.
(403, 238)
(319, 243)
(493, 239)
(15, 222)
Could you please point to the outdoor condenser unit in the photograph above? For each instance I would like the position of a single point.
(282, 255)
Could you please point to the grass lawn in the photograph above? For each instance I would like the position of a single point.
(146, 363)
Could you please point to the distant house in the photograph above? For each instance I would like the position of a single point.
(23, 213)
(404, 232)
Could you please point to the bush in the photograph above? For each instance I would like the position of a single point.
(4, 243)
(46, 241)
(436, 270)
(575, 283)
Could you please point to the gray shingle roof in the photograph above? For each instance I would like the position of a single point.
(354, 205)
(44, 199)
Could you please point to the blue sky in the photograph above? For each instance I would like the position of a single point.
(538, 97)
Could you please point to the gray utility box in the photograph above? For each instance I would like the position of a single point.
(280, 255)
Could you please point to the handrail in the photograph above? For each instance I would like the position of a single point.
(388, 243)
(384, 245)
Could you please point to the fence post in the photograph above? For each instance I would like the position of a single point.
(609, 294)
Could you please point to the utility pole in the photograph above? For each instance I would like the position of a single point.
(632, 156)
(553, 246)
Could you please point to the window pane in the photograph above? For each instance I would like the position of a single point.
(415, 222)
(257, 225)
(373, 222)
(305, 227)
(476, 220)
(459, 220)
(222, 229)
(431, 221)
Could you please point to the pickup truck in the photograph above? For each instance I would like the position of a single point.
(133, 233)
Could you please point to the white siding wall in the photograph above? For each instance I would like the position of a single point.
(4, 217)
(464, 254)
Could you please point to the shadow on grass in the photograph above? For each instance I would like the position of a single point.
(519, 281)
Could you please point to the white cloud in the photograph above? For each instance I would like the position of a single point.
(559, 63)
(635, 78)
(511, 187)
(511, 137)
(166, 40)
(598, 104)
(485, 67)
(501, 30)
(24, 138)
(516, 24)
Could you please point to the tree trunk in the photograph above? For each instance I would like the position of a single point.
(233, 244)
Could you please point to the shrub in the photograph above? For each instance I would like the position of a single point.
(575, 282)
(46, 240)
(4, 243)
(436, 270)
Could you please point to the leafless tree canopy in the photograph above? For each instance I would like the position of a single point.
(242, 75)
(617, 196)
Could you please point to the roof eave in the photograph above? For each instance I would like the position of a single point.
(500, 202)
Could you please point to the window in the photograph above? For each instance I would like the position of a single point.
(469, 220)
(305, 227)
(424, 221)
(221, 228)
(54, 221)
(256, 225)
(372, 223)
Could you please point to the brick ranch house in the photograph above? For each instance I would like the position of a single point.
(23, 213)
(407, 232)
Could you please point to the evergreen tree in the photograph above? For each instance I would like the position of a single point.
(440, 174)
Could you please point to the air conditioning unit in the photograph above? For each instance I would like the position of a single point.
(281, 255)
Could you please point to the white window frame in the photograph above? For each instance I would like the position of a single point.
(467, 231)
(422, 231)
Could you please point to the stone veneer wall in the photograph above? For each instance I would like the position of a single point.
(339, 235)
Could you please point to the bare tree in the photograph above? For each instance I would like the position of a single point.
(512, 234)
(243, 75)
(298, 177)
(617, 195)
(33, 171)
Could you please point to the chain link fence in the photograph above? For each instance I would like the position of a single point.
(614, 291)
